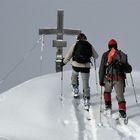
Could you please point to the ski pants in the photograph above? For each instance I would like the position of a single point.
(119, 89)
(85, 81)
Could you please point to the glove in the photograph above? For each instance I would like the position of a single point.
(62, 62)
(102, 83)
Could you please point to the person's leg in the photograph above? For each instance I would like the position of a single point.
(86, 88)
(75, 81)
(107, 94)
(119, 88)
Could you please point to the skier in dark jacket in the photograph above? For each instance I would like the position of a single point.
(114, 79)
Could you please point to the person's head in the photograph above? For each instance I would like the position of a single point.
(112, 43)
(81, 36)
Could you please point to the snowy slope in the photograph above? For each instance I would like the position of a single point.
(34, 111)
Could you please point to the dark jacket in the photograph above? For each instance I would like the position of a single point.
(125, 68)
(102, 68)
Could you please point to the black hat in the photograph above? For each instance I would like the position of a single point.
(81, 36)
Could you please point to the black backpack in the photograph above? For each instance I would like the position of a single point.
(82, 52)
(119, 64)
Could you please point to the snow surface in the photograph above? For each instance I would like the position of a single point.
(34, 111)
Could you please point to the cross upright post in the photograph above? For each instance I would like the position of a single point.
(59, 43)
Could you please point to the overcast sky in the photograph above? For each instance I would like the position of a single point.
(100, 20)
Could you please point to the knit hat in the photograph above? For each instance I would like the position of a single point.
(112, 44)
(81, 36)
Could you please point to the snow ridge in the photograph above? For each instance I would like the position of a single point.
(33, 110)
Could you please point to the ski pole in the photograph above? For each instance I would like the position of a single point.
(126, 81)
(96, 76)
(101, 123)
(134, 89)
(61, 95)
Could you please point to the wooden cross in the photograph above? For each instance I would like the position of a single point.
(59, 42)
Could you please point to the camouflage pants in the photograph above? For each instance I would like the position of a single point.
(85, 81)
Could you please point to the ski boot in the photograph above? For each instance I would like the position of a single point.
(123, 116)
(108, 109)
(86, 104)
(75, 91)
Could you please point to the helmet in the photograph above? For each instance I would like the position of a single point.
(112, 44)
(81, 36)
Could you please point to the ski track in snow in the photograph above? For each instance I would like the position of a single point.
(131, 131)
(84, 121)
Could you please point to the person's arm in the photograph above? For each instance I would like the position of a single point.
(127, 68)
(102, 70)
(95, 54)
(68, 55)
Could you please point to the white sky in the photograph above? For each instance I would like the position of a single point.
(100, 20)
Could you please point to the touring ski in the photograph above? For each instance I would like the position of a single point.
(119, 119)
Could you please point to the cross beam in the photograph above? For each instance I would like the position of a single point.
(59, 43)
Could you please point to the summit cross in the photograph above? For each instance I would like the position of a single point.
(59, 43)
